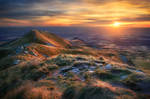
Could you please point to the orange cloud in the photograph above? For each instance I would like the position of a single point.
(81, 13)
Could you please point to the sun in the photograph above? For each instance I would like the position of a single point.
(116, 24)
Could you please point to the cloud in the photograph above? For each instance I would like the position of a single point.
(22, 9)
(139, 18)
(73, 12)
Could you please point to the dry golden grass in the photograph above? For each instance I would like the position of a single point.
(28, 91)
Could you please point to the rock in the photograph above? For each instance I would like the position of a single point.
(75, 70)
(18, 50)
(82, 66)
(91, 71)
(22, 47)
(92, 68)
(32, 53)
(27, 44)
(139, 71)
(108, 66)
(123, 77)
(101, 68)
(16, 62)
(26, 52)
(65, 69)
(49, 44)
(124, 59)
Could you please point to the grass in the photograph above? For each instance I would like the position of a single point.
(73, 86)
(132, 80)
(104, 75)
(88, 92)
(143, 65)
(120, 72)
(92, 92)
(29, 91)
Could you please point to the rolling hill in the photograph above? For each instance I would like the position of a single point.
(42, 65)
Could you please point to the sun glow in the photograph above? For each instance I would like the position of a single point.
(116, 24)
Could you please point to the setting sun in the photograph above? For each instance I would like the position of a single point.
(116, 24)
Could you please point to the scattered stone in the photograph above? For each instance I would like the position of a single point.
(18, 50)
(22, 47)
(65, 69)
(32, 53)
(26, 52)
(49, 44)
(108, 66)
(16, 62)
(123, 77)
(100, 63)
(124, 59)
(102, 68)
(75, 70)
(27, 44)
(91, 71)
(139, 71)
(92, 68)
(45, 55)
(82, 66)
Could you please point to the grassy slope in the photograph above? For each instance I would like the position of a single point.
(40, 37)
(34, 66)
(41, 43)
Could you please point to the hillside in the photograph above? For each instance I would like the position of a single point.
(41, 37)
(42, 65)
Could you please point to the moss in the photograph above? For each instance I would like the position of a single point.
(6, 62)
(52, 67)
(132, 80)
(62, 61)
(33, 75)
(120, 72)
(31, 92)
(87, 76)
(95, 93)
(104, 75)
(69, 93)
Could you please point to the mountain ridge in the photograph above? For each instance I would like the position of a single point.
(36, 36)
(52, 63)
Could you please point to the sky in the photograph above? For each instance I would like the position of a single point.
(97, 13)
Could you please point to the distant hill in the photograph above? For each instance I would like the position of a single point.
(41, 37)
(37, 44)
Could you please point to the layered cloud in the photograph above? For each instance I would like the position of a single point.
(74, 12)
